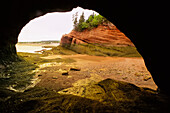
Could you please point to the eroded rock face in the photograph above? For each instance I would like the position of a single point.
(106, 35)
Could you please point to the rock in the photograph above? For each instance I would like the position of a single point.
(39, 75)
(2, 67)
(55, 77)
(146, 78)
(77, 41)
(26, 56)
(75, 69)
(124, 78)
(106, 35)
(65, 90)
(64, 73)
(138, 74)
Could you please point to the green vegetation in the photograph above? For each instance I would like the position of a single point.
(36, 58)
(59, 50)
(94, 50)
(92, 22)
(98, 50)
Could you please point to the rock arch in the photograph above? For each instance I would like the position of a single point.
(142, 22)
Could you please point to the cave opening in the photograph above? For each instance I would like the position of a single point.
(43, 34)
(127, 20)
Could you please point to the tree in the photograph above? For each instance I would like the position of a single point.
(75, 16)
(81, 25)
(90, 23)
(84, 25)
(91, 17)
(81, 20)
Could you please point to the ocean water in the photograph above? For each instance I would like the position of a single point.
(30, 48)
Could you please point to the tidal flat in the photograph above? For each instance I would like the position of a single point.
(47, 83)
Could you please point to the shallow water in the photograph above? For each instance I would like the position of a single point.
(31, 48)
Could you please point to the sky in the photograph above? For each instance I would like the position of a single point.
(51, 26)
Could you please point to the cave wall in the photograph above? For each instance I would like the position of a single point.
(145, 23)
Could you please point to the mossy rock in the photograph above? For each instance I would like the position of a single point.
(119, 97)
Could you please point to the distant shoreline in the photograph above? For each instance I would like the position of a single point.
(42, 42)
(35, 47)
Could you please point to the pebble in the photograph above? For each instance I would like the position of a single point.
(138, 74)
(65, 73)
(124, 78)
(146, 78)
(55, 77)
(39, 75)
(74, 69)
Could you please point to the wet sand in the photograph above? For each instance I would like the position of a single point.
(95, 69)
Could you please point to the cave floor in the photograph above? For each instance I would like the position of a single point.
(95, 68)
(82, 83)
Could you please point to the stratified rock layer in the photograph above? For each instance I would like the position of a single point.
(106, 35)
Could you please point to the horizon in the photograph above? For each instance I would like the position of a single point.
(51, 26)
(41, 41)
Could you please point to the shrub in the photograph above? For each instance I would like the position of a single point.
(92, 22)
(85, 25)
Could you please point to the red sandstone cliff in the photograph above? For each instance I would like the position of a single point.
(106, 35)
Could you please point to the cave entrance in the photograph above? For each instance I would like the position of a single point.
(121, 61)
